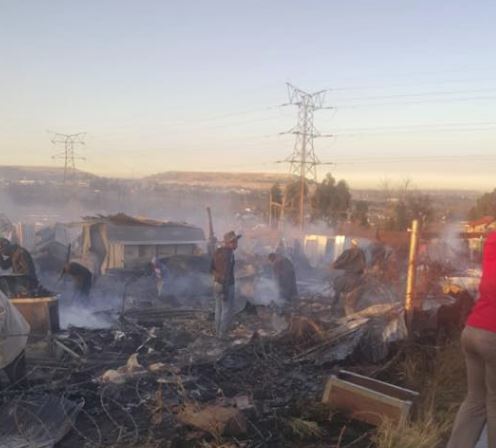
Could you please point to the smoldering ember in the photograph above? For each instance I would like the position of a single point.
(231, 317)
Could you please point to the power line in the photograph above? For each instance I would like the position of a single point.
(424, 125)
(421, 94)
(70, 142)
(452, 158)
(433, 100)
(418, 128)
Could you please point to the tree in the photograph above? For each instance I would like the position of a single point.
(412, 205)
(292, 202)
(419, 206)
(331, 201)
(360, 213)
(485, 206)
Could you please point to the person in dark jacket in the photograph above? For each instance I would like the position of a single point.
(353, 262)
(223, 271)
(15, 257)
(378, 254)
(284, 275)
(81, 277)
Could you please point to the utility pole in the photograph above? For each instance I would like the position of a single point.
(412, 274)
(303, 161)
(70, 142)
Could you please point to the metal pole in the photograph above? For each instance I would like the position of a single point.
(270, 209)
(283, 209)
(302, 201)
(412, 271)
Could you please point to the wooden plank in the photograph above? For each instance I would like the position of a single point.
(367, 400)
(41, 313)
(379, 386)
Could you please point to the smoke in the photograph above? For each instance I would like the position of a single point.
(449, 250)
(80, 316)
(266, 293)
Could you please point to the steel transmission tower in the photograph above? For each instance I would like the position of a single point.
(70, 142)
(303, 161)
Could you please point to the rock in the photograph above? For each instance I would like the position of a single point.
(132, 369)
(133, 364)
(214, 419)
(158, 367)
(113, 376)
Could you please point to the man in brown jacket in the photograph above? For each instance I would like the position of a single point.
(223, 272)
(348, 286)
(15, 257)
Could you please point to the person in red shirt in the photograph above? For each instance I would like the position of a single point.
(479, 348)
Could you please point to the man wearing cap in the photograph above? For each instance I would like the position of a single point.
(223, 272)
(15, 257)
(353, 262)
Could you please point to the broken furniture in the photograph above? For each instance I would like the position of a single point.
(367, 399)
(42, 313)
(39, 306)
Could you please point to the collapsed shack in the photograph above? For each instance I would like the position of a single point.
(124, 242)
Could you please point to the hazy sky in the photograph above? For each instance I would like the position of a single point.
(198, 85)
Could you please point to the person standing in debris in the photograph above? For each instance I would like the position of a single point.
(378, 254)
(353, 262)
(15, 257)
(14, 331)
(81, 277)
(223, 272)
(284, 274)
(160, 273)
(478, 344)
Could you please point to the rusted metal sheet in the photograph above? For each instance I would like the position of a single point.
(42, 314)
(367, 399)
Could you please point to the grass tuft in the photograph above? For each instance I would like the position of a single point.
(303, 429)
(438, 373)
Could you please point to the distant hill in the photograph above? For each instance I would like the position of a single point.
(38, 173)
(210, 180)
(220, 180)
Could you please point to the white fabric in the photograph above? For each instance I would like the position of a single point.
(14, 331)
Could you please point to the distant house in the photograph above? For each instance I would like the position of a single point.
(475, 232)
(124, 242)
(482, 225)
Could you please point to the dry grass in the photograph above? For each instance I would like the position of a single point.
(439, 375)
(421, 434)
(303, 429)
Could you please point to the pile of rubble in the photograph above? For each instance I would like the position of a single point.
(159, 377)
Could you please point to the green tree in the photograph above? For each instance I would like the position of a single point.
(485, 206)
(331, 201)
